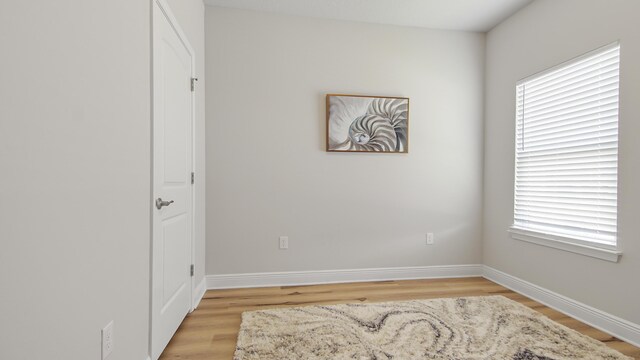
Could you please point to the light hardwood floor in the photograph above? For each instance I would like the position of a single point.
(209, 333)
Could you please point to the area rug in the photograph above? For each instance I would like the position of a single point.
(484, 327)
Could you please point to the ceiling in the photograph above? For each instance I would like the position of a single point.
(465, 15)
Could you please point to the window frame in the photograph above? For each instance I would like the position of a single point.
(593, 249)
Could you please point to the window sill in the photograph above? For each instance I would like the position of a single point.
(566, 244)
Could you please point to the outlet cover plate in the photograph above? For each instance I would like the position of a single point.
(107, 340)
(430, 239)
(284, 242)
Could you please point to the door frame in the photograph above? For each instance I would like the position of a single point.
(164, 8)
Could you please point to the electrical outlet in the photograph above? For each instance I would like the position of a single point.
(107, 340)
(284, 242)
(430, 239)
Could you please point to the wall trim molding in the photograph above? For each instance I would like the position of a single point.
(199, 292)
(232, 281)
(605, 252)
(611, 324)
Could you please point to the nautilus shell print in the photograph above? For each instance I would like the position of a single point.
(367, 124)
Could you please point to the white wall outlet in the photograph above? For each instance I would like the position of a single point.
(107, 340)
(430, 239)
(284, 242)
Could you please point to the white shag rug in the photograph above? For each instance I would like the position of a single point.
(484, 327)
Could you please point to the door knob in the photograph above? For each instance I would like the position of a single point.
(160, 203)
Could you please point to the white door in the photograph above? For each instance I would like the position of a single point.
(172, 166)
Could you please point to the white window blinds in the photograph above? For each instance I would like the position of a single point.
(567, 149)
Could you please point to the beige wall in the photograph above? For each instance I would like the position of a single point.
(190, 15)
(268, 173)
(544, 34)
(75, 178)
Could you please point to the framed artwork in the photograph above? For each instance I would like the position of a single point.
(358, 123)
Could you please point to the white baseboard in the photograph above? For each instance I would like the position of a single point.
(231, 281)
(611, 324)
(198, 293)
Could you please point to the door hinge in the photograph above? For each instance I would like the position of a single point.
(193, 84)
(193, 178)
(192, 269)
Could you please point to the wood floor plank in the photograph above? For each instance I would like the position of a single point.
(211, 331)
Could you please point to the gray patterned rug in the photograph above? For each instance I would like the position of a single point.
(485, 327)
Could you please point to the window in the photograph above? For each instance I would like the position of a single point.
(566, 171)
